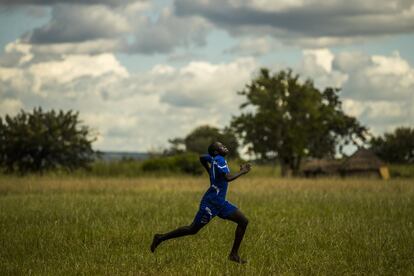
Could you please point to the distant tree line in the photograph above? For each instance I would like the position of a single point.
(283, 119)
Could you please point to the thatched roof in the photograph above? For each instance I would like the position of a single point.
(362, 160)
(321, 165)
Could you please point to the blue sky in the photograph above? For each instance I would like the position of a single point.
(141, 72)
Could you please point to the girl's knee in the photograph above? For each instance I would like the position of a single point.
(244, 222)
(194, 230)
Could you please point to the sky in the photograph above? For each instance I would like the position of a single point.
(142, 72)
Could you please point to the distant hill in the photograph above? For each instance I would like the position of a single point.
(119, 155)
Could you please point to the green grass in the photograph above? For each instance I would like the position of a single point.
(401, 170)
(95, 226)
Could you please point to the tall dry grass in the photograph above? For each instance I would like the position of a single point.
(82, 225)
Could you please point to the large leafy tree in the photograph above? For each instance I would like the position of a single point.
(201, 137)
(286, 119)
(38, 141)
(395, 147)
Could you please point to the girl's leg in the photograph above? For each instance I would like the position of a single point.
(242, 223)
(179, 232)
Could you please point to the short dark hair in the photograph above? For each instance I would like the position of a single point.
(212, 148)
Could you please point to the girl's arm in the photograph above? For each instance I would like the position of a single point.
(244, 168)
(204, 160)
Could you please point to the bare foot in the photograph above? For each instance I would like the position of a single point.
(237, 259)
(155, 242)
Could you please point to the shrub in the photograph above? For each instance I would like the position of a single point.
(187, 163)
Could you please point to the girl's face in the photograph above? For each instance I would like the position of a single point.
(221, 149)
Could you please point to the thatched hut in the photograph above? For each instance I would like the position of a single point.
(364, 163)
(321, 167)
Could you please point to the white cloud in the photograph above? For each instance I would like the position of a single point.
(388, 78)
(53, 2)
(317, 65)
(55, 50)
(128, 111)
(136, 27)
(381, 116)
(167, 32)
(378, 90)
(314, 23)
(393, 65)
(256, 47)
(76, 66)
(269, 5)
(21, 51)
(204, 84)
(322, 57)
(10, 106)
(143, 110)
(79, 23)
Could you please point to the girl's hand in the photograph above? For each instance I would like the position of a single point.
(245, 168)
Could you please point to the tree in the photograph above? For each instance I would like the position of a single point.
(289, 119)
(40, 141)
(396, 147)
(201, 137)
(177, 146)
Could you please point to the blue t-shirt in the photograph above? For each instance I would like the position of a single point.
(218, 182)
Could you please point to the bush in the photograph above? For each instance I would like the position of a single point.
(187, 163)
(124, 168)
(401, 170)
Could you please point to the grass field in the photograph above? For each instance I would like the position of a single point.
(95, 226)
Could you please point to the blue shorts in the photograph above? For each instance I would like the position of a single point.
(210, 209)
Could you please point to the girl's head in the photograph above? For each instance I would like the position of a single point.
(217, 148)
